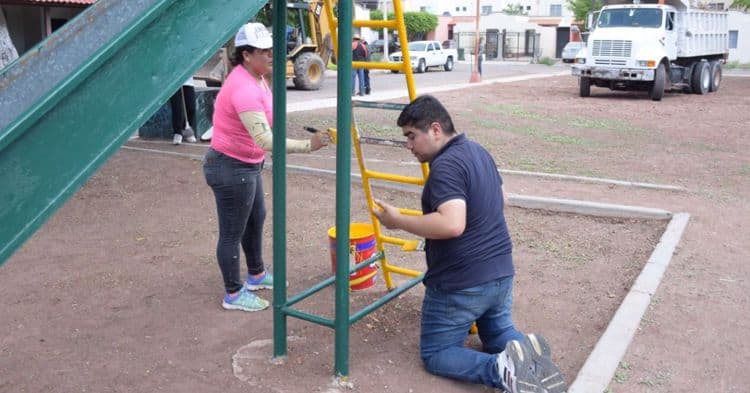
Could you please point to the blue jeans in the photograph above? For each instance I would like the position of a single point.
(238, 190)
(446, 319)
(358, 73)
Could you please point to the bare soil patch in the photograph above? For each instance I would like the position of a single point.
(119, 291)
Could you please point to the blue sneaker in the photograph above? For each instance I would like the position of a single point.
(265, 282)
(244, 301)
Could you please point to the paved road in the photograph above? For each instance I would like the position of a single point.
(386, 85)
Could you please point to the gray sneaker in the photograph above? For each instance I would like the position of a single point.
(545, 369)
(516, 369)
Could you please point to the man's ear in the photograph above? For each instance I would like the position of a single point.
(436, 128)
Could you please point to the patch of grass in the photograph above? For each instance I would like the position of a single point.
(546, 61)
(744, 170)
(490, 124)
(566, 140)
(603, 124)
(378, 130)
(516, 110)
(736, 64)
(623, 372)
(659, 379)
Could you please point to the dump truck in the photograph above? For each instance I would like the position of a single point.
(654, 46)
(309, 49)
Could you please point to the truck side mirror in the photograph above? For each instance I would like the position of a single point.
(590, 21)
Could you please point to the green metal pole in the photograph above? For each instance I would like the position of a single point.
(279, 178)
(343, 185)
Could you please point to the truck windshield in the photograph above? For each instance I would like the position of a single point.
(630, 17)
(417, 47)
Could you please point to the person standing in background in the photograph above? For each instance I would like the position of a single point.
(359, 53)
(183, 107)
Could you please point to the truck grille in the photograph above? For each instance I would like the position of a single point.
(617, 62)
(612, 48)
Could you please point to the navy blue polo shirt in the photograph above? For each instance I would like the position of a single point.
(463, 169)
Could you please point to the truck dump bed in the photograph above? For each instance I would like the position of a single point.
(702, 33)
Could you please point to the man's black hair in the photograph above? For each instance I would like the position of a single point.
(424, 111)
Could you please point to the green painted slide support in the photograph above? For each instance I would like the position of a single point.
(69, 103)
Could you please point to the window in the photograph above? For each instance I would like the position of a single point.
(486, 9)
(458, 9)
(733, 36)
(463, 9)
(670, 21)
(555, 10)
(716, 6)
(528, 8)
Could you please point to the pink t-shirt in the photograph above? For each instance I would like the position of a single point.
(241, 92)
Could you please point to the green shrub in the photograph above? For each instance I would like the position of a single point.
(546, 60)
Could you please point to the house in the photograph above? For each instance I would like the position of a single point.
(31, 21)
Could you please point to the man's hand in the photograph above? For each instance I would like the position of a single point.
(387, 214)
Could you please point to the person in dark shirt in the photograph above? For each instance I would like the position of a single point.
(469, 261)
(359, 53)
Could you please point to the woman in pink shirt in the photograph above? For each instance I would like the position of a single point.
(232, 166)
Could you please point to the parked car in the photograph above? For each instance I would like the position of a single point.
(570, 51)
(377, 46)
(425, 54)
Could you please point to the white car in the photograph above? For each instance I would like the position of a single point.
(425, 54)
(570, 51)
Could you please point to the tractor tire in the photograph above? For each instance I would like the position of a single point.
(715, 69)
(309, 71)
(700, 80)
(448, 66)
(584, 86)
(656, 91)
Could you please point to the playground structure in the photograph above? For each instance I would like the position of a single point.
(141, 52)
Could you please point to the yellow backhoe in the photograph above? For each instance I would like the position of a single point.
(309, 49)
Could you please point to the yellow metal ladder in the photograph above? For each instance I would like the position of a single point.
(368, 175)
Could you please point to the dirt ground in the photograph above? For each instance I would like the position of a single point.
(119, 291)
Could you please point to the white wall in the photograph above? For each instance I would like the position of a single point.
(740, 21)
(514, 24)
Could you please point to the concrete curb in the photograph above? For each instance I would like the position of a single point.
(588, 208)
(600, 367)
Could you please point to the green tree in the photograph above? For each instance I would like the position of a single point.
(418, 24)
(378, 15)
(513, 9)
(743, 5)
(581, 8)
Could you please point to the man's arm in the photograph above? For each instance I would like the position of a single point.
(447, 222)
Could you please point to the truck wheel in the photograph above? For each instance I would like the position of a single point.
(422, 67)
(584, 85)
(656, 91)
(701, 78)
(448, 64)
(308, 71)
(715, 70)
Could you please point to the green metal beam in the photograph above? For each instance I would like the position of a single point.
(73, 100)
(343, 186)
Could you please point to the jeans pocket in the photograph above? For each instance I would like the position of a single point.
(211, 173)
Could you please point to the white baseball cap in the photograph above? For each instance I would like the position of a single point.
(255, 35)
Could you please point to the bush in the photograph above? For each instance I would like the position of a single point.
(546, 60)
(736, 64)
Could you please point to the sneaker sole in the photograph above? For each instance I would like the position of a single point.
(257, 287)
(549, 374)
(526, 381)
(228, 306)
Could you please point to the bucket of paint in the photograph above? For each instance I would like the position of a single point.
(362, 244)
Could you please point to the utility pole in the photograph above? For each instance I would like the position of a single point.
(385, 31)
(475, 76)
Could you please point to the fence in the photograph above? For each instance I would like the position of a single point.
(502, 45)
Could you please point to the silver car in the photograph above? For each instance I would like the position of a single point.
(570, 51)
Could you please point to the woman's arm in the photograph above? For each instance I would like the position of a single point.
(257, 126)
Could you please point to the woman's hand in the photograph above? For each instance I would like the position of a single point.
(318, 140)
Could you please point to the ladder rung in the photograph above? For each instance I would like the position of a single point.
(395, 178)
(410, 212)
(376, 24)
(380, 65)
